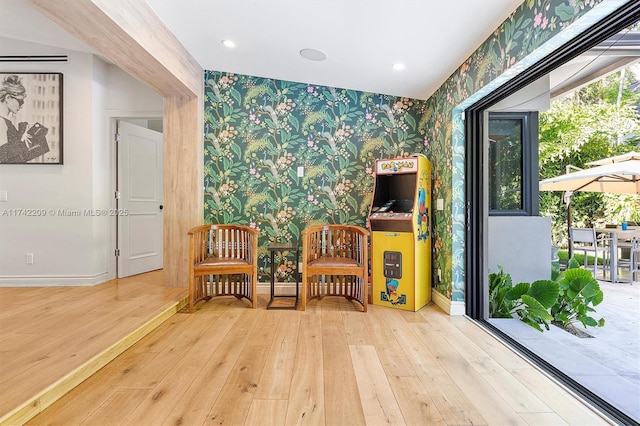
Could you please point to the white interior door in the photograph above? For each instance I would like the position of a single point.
(140, 158)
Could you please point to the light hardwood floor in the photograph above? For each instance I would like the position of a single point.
(52, 338)
(329, 365)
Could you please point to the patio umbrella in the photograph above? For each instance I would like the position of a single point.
(618, 175)
(617, 159)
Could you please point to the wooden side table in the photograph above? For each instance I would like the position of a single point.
(279, 247)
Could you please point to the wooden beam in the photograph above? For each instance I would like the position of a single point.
(131, 36)
(183, 184)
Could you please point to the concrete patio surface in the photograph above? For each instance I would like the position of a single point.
(608, 363)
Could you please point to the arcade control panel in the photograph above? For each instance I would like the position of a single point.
(386, 212)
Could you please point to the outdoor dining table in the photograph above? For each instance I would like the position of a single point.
(615, 235)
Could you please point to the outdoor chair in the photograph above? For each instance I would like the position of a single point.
(635, 259)
(623, 245)
(632, 261)
(585, 241)
(223, 262)
(335, 262)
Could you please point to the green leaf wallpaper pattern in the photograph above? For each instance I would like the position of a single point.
(499, 58)
(259, 131)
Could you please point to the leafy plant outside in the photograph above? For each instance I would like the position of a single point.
(579, 293)
(597, 121)
(568, 298)
(529, 302)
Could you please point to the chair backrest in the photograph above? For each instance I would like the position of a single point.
(223, 261)
(583, 236)
(223, 241)
(346, 241)
(335, 262)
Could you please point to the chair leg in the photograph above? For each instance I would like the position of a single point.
(303, 298)
(365, 293)
(303, 292)
(585, 262)
(191, 290)
(254, 294)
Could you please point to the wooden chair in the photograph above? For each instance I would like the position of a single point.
(223, 261)
(335, 262)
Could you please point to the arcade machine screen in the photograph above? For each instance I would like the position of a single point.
(393, 199)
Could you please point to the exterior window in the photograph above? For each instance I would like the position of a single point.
(513, 169)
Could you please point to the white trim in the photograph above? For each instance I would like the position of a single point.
(123, 114)
(53, 280)
(450, 307)
(287, 289)
(280, 288)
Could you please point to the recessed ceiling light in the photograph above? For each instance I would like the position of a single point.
(313, 54)
(398, 67)
(229, 43)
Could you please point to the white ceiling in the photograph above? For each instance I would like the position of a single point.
(619, 51)
(21, 21)
(361, 38)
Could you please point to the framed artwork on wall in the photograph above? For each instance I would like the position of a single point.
(30, 118)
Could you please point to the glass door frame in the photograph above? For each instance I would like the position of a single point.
(476, 199)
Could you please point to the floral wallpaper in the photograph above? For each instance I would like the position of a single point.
(533, 31)
(258, 132)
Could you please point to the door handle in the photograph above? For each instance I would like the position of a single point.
(161, 206)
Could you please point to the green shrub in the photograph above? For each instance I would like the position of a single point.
(530, 302)
(579, 291)
(567, 298)
(563, 255)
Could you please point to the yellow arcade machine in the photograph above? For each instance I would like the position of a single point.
(400, 224)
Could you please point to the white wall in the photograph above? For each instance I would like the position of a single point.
(68, 250)
(534, 97)
(521, 245)
(127, 99)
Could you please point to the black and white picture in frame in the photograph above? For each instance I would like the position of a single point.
(30, 118)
